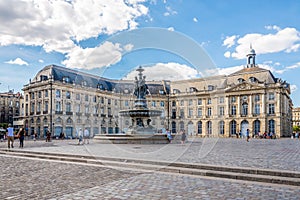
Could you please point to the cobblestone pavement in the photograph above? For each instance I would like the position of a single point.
(280, 154)
(38, 179)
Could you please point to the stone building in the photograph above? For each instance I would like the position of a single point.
(10, 106)
(64, 100)
(296, 116)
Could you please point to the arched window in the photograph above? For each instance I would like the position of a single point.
(272, 126)
(253, 79)
(69, 121)
(241, 80)
(233, 127)
(221, 127)
(256, 126)
(199, 124)
(209, 128)
(174, 127)
(244, 109)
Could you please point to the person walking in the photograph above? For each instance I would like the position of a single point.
(10, 136)
(183, 137)
(21, 135)
(247, 135)
(80, 136)
(169, 135)
(86, 136)
(48, 136)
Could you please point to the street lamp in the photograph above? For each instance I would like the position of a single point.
(51, 103)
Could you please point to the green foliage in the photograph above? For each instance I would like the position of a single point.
(4, 125)
(296, 128)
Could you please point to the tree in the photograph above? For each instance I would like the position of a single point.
(296, 128)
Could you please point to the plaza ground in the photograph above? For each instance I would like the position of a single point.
(24, 178)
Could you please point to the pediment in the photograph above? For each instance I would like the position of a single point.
(243, 86)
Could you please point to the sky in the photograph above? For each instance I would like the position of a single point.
(171, 39)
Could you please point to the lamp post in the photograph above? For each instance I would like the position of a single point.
(51, 104)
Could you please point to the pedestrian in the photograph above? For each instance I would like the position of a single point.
(48, 136)
(169, 135)
(10, 136)
(80, 136)
(35, 137)
(183, 137)
(86, 136)
(21, 135)
(247, 135)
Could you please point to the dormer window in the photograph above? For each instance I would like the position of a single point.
(161, 92)
(83, 83)
(100, 86)
(176, 91)
(253, 79)
(241, 80)
(66, 79)
(193, 89)
(211, 88)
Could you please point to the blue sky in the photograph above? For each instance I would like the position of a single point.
(102, 37)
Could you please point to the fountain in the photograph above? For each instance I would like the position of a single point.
(140, 115)
(141, 131)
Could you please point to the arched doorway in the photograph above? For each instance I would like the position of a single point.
(244, 127)
(190, 130)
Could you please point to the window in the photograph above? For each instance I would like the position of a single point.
(32, 95)
(77, 96)
(78, 108)
(86, 97)
(181, 125)
(40, 94)
(116, 102)
(209, 101)
(199, 124)
(95, 110)
(126, 103)
(233, 110)
(68, 107)
(199, 112)
(209, 127)
(108, 101)
(252, 79)
(68, 95)
(26, 98)
(109, 111)
(233, 127)
(256, 126)
(233, 99)
(257, 97)
(32, 107)
(209, 113)
(162, 104)
(46, 93)
(58, 106)
(221, 99)
(87, 109)
(173, 103)
(181, 113)
(221, 111)
(38, 108)
(271, 125)
(173, 113)
(46, 106)
(181, 103)
(244, 109)
(256, 109)
(190, 112)
(174, 127)
(57, 93)
(271, 108)
(241, 80)
(199, 101)
(271, 96)
(153, 103)
(221, 127)
(190, 102)
(210, 87)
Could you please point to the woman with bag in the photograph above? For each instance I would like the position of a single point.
(21, 135)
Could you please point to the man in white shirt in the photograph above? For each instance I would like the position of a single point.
(10, 136)
(86, 136)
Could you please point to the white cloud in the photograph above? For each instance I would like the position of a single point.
(227, 54)
(230, 41)
(293, 88)
(90, 58)
(17, 61)
(169, 11)
(41, 61)
(274, 27)
(195, 19)
(287, 39)
(55, 25)
(128, 47)
(166, 71)
(171, 29)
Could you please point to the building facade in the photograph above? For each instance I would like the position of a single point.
(296, 116)
(10, 106)
(64, 100)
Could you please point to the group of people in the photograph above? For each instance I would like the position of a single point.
(83, 137)
(11, 136)
(182, 133)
